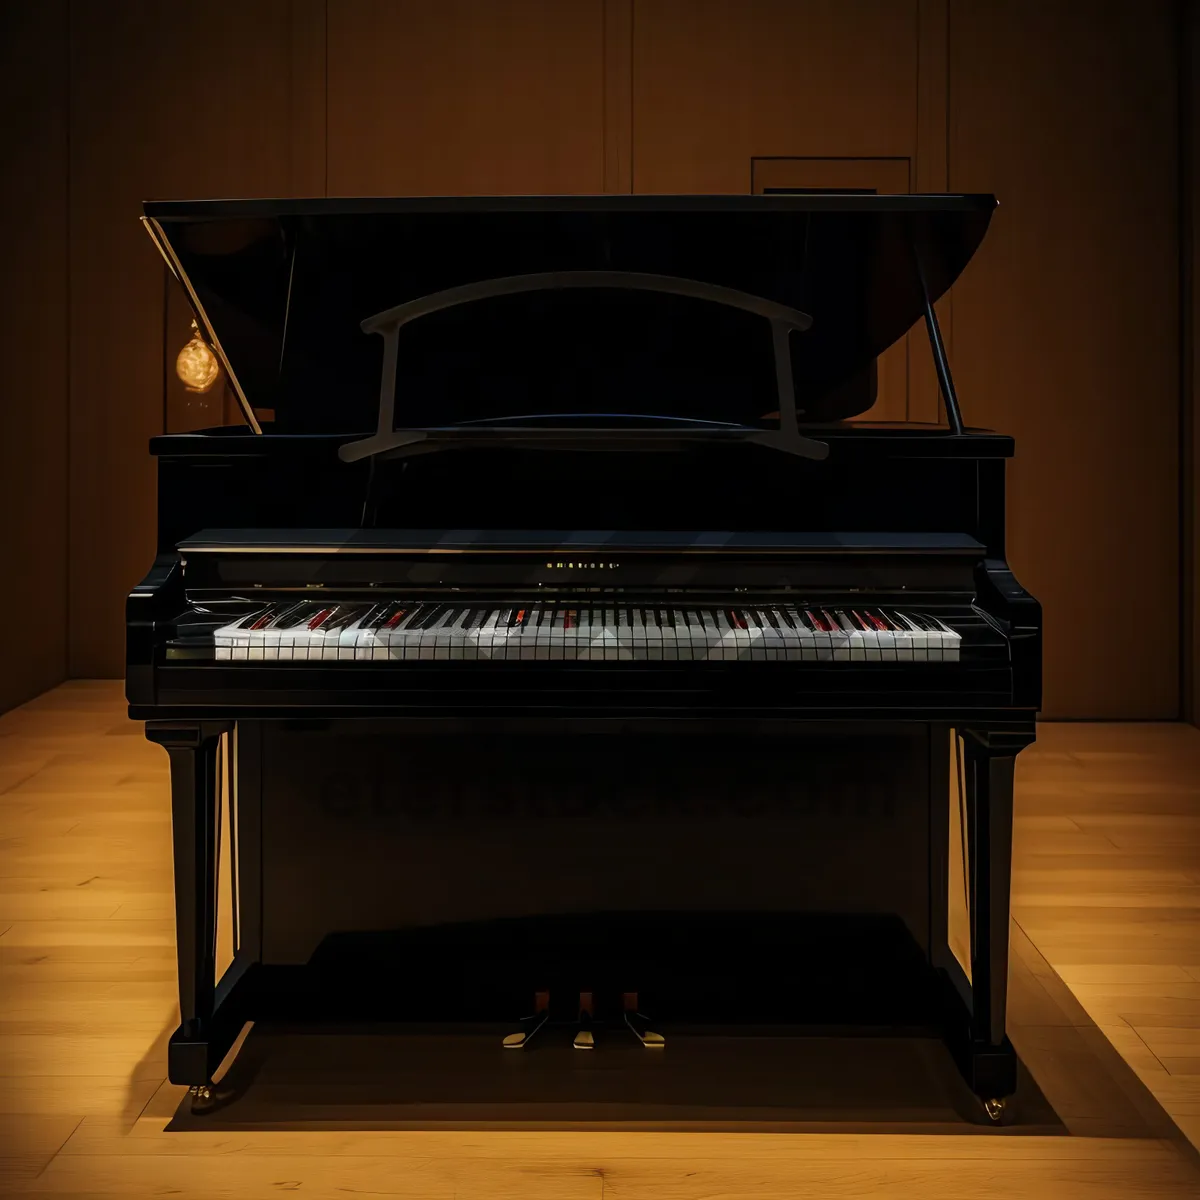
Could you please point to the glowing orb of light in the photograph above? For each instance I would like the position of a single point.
(196, 364)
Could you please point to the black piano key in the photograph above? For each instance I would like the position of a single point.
(297, 615)
(321, 616)
(257, 619)
(345, 616)
(286, 613)
(431, 618)
(410, 619)
(399, 617)
(424, 616)
(372, 614)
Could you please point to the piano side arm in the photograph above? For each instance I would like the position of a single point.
(999, 593)
(153, 602)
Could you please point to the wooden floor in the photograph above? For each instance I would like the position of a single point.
(1105, 1012)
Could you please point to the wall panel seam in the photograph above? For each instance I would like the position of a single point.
(68, 380)
(1186, 66)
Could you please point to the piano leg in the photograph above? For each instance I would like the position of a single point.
(986, 1056)
(212, 1015)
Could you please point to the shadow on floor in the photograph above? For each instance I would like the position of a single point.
(423, 1077)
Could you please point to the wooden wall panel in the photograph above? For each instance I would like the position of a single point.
(1190, 510)
(466, 97)
(33, 375)
(1067, 327)
(166, 102)
(718, 84)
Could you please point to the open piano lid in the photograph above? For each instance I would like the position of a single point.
(283, 288)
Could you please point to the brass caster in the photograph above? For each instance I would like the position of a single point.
(994, 1110)
(202, 1098)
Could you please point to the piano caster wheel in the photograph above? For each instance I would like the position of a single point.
(529, 1026)
(995, 1110)
(203, 1100)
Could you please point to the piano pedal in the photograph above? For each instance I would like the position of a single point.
(584, 1037)
(529, 1026)
(639, 1024)
(204, 1099)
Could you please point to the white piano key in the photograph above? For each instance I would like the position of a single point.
(609, 633)
(951, 642)
(914, 639)
(868, 636)
(226, 638)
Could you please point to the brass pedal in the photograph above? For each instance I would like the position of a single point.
(639, 1024)
(529, 1026)
(584, 1037)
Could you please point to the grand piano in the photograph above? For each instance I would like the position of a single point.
(549, 623)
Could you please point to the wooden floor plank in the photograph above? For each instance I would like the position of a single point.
(1105, 996)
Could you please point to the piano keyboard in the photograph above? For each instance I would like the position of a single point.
(315, 632)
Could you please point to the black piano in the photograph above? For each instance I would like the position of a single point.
(550, 624)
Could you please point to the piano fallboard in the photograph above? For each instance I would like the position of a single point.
(218, 561)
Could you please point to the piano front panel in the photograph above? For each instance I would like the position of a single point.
(452, 823)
